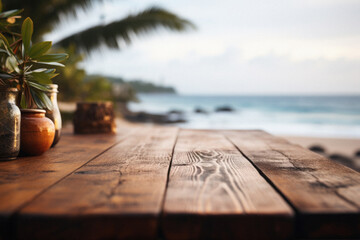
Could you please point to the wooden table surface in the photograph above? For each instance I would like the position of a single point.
(151, 182)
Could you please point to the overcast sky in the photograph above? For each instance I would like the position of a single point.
(239, 47)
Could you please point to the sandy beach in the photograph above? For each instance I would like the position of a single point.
(346, 147)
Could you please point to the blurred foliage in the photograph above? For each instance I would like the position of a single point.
(148, 87)
(46, 15)
(140, 86)
(100, 88)
(73, 83)
(23, 64)
(71, 78)
(124, 93)
(110, 34)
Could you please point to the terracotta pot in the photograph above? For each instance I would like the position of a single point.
(37, 132)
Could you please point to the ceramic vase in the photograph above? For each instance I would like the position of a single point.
(54, 114)
(37, 132)
(9, 124)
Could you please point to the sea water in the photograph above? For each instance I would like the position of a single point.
(324, 116)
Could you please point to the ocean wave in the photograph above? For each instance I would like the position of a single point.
(308, 116)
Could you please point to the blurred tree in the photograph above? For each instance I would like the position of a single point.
(124, 93)
(75, 85)
(46, 14)
(98, 88)
(71, 77)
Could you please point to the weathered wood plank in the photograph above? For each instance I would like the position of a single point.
(325, 194)
(117, 195)
(215, 193)
(23, 179)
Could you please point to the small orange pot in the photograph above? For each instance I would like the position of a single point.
(37, 132)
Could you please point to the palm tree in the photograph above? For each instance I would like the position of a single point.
(46, 14)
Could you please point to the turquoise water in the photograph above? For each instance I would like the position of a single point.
(328, 116)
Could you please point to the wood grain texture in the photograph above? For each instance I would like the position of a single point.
(23, 179)
(118, 195)
(215, 193)
(325, 194)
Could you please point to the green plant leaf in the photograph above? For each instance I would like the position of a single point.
(5, 43)
(5, 76)
(3, 51)
(51, 70)
(37, 86)
(41, 99)
(45, 99)
(10, 13)
(1, 6)
(23, 101)
(11, 64)
(39, 49)
(36, 99)
(38, 70)
(43, 77)
(56, 57)
(52, 63)
(29, 101)
(26, 33)
(4, 40)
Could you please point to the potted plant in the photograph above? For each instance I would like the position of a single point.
(9, 111)
(25, 66)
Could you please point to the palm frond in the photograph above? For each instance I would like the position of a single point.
(110, 34)
(46, 13)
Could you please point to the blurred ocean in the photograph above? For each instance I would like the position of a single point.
(324, 116)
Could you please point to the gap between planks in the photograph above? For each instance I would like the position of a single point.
(120, 191)
(159, 227)
(61, 179)
(225, 204)
(33, 176)
(324, 194)
(264, 176)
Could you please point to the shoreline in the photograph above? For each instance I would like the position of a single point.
(341, 149)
